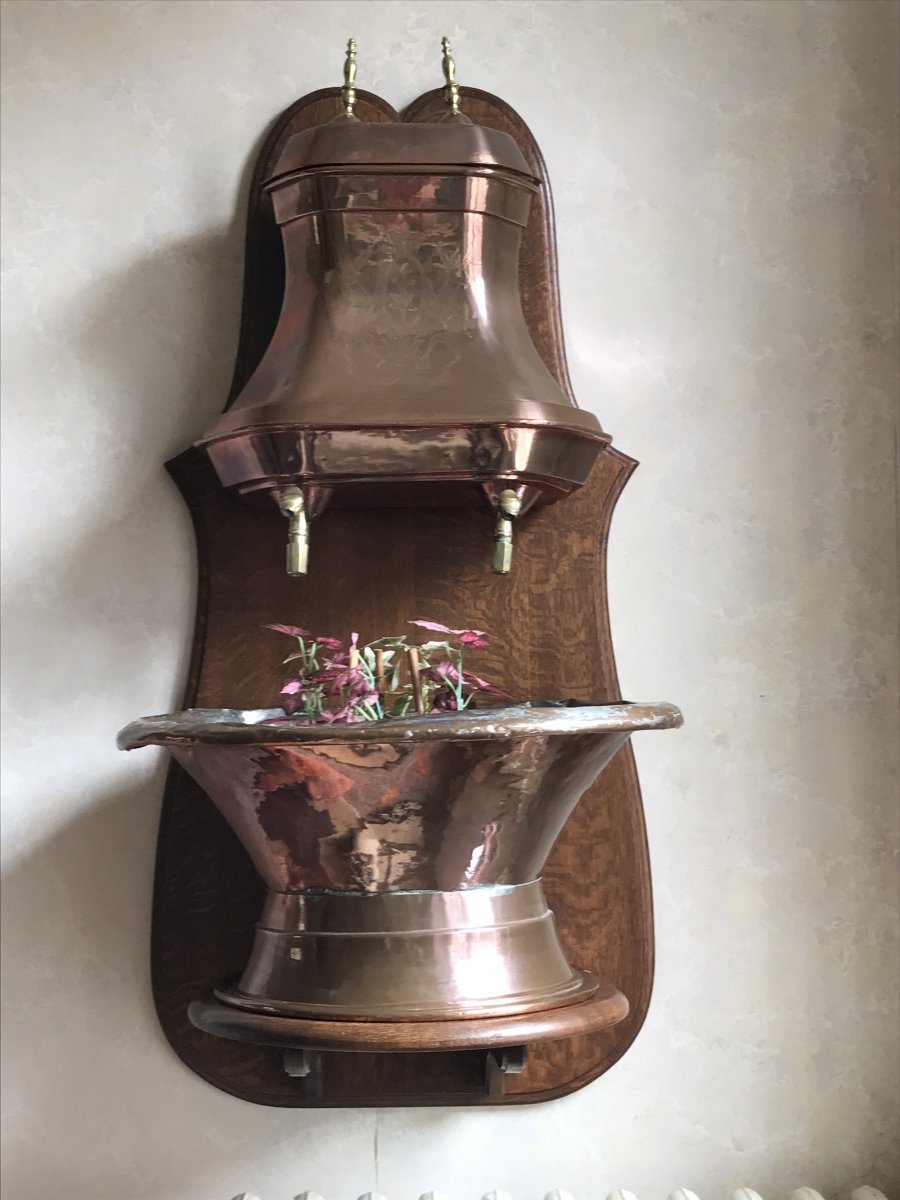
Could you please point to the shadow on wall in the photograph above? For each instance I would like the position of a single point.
(135, 366)
(88, 608)
(91, 594)
(76, 966)
(84, 1057)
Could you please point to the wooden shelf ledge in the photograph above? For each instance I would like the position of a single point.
(605, 1008)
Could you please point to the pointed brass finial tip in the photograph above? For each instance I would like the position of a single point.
(451, 90)
(348, 91)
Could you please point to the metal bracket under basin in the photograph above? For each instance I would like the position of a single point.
(308, 1065)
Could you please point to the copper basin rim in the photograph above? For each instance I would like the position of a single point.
(442, 802)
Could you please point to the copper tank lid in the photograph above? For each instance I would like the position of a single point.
(452, 142)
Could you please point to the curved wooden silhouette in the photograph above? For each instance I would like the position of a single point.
(372, 571)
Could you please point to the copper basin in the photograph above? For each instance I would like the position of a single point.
(444, 822)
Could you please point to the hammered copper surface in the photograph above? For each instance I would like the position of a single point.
(456, 800)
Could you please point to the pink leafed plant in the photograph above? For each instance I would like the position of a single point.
(334, 683)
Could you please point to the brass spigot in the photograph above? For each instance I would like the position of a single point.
(293, 506)
(348, 91)
(510, 505)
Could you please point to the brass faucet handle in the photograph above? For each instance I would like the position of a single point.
(451, 91)
(348, 91)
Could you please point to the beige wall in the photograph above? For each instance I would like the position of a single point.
(723, 186)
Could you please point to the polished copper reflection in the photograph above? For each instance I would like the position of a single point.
(402, 358)
(442, 802)
(400, 853)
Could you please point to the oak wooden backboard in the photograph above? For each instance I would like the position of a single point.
(371, 571)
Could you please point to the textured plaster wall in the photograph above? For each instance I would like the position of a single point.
(723, 176)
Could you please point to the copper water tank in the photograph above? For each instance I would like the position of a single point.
(401, 370)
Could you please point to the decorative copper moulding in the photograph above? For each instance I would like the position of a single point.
(403, 858)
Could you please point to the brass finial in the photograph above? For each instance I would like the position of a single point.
(451, 91)
(348, 91)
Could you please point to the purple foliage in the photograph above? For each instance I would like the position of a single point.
(334, 683)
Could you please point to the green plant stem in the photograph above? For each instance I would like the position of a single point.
(459, 680)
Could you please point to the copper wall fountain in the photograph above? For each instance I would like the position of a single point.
(400, 378)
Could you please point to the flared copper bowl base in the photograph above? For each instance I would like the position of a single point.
(407, 956)
(603, 1008)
